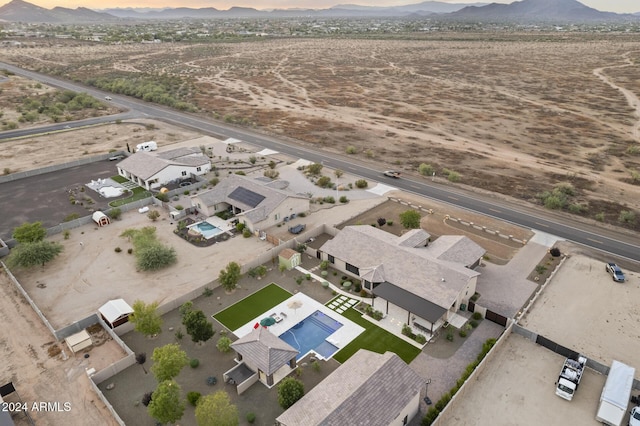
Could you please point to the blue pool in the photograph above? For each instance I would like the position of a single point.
(207, 230)
(310, 334)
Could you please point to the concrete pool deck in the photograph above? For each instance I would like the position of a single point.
(342, 337)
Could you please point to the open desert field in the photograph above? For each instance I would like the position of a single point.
(512, 113)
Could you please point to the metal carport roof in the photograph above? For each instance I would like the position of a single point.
(409, 301)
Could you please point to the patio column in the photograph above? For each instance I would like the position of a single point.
(270, 380)
(292, 363)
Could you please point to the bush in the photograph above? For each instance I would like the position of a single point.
(477, 316)
(114, 213)
(194, 363)
(162, 197)
(251, 417)
(351, 150)
(329, 200)
(450, 336)
(271, 174)
(66, 234)
(224, 344)
(240, 226)
(473, 323)
(211, 380)
(129, 250)
(246, 233)
(555, 252)
(193, 397)
(462, 333)
(389, 223)
(344, 199)
(420, 338)
(627, 217)
(425, 169)
(117, 249)
(382, 221)
(323, 181)
(429, 418)
(361, 183)
(146, 398)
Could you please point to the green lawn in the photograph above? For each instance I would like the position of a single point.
(375, 339)
(139, 193)
(251, 306)
(119, 179)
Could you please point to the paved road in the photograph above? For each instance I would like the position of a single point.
(621, 245)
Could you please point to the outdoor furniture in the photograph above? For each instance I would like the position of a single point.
(276, 317)
(283, 315)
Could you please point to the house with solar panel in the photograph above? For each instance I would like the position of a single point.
(421, 283)
(151, 170)
(257, 204)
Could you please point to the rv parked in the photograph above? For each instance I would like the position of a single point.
(146, 146)
(615, 394)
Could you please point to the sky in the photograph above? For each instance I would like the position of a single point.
(618, 6)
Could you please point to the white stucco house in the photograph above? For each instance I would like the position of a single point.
(367, 389)
(256, 204)
(151, 170)
(427, 281)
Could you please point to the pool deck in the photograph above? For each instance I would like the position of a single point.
(343, 336)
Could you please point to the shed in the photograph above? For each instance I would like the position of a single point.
(289, 258)
(78, 341)
(100, 218)
(115, 312)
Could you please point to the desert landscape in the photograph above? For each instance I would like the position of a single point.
(512, 113)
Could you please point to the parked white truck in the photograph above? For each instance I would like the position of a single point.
(615, 394)
(570, 377)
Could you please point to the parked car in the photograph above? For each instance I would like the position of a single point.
(634, 418)
(615, 271)
(107, 98)
(117, 157)
(392, 173)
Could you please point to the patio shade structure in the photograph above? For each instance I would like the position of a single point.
(266, 322)
(294, 304)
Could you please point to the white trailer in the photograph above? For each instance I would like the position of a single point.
(615, 394)
(147, 146)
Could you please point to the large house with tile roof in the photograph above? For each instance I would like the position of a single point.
(257, 204)
(428, 281)
(368, 389)
(152, 170)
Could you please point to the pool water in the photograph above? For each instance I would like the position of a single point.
(207, 230)
(310, 334)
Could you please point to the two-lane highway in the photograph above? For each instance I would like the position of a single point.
(577, 232)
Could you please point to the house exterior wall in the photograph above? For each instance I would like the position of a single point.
(409, 411)
(208, 210)
(286, 208)
(464, 296)
(174, 172)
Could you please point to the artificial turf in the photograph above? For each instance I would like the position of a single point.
(238, 314)
(375, 339)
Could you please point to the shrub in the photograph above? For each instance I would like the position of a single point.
(146, 398)
(389, 223)
(382, 221)
(153, 215)
(224, 344)
(129, 250)
(555, 252)
(323, 181)
(477, 316)
(214, 181)
(627, 217)
(315, 168)
(240, 226)
(420, 338)
(299, 280)
(462, 333)
(540, 269)
(179, 207)
(431, 415)
(186, 192)
(179, 335)
(193, 397)
(329, 200)
(271, 174)
(117, 249)
(473, 323)
(361, 183)
(246, 233)
(162, 197)
(316, 366)
(344, 199)
(251, 417)
(66, 234)
(207, 292)
(194, 363)
(351, 149)
(70, 217)
(425, 169)
(211, 380)
(450, 336)
(114, 213)
(324, 265)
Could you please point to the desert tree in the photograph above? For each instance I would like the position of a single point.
(216, 410)
(229, 276)
(145, 318)
(196, 323)
(168, 361)
(26, 255)
(410, 219)
(167, 405)
(29, 232)
(290, 390)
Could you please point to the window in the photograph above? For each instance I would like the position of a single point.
(198, 169)
(331, 258)
(184, 173)
(367, 285)
(405, 420)
(277, 216)
(352, 269)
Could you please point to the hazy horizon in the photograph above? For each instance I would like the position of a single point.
(619, 6)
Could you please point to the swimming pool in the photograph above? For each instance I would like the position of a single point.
(206, 229)
(310, 334)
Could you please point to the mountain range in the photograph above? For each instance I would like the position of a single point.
(519, 11)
